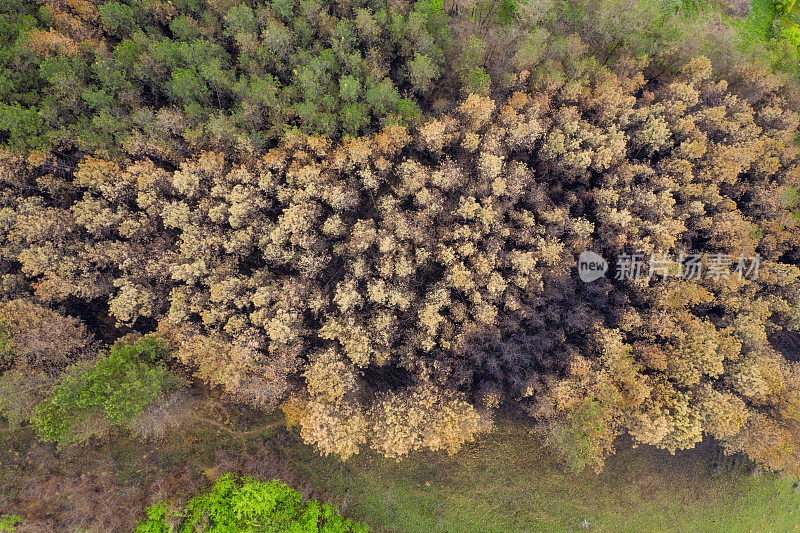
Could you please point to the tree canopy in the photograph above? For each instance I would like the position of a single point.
(383, 287)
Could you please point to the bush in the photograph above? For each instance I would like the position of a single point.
(248, 505)
(582, 438)
(9, 523)
(112, 391)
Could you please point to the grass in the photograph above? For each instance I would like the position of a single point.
(505, 482)
(508, 483)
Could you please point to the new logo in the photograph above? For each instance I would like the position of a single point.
(591, 266)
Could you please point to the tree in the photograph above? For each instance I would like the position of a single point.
(235, 504)
(36, 345)
(421, 72)
(349, 88)
(354, 117)
(24, 126)
(118, 18)
(423, 416)
(379, 280)
(111, 391)
(34, 336)
(583, 437)
(188, 87)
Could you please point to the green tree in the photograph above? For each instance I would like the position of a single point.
(354, 117)
(112, 391)
(474, 77)
(184, 28)
(283, 8)
(583, 437)
(349, 88)
(119, 18)
(382, 97)
(188, 87)
(421, 72)
(24, 126)
(240, 19)
(246, 504)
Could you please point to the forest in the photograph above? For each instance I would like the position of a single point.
(365, 218)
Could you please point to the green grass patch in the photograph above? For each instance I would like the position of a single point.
(507, 483)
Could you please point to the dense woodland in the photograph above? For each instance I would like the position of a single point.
(368, 214)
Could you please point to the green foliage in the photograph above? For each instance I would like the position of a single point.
(473, 53)
(785, 6)
(9, 522)
(578, 437)
(383, 97)
(118, 18)
(792, 200)
(477, 81)
(283, 8)
(188, 87)
(57, 91)
(792, 34)
(756, 233)
(184, 28)
(354, 117)
(471, 63)
(116, 388)
(25, 127)
(408, 109)
(240, 19)
(506, 12)
(20, 391)
(6, 340)
(422, 71)
(248, 505)
(789, 14)
(349, 88)
(19, 82)
(194, 58)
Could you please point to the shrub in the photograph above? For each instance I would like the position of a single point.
(246, 504)
(9, 523)
(112, 391)
(583, 438)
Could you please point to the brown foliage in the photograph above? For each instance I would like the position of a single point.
(43, 339)
(448, 252)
